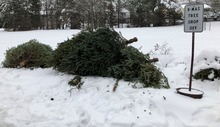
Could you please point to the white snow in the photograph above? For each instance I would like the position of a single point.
(25, 95)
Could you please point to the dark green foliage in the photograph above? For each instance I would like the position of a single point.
(75, 20)
(92, 54)
(1, 23)
(35, 13)
(64, 50)
(150, 76)
(15, 17)
(104, 53)
(173, 16)
(29, 54)
(146, 12)
(129, 65)
(159, 17)
(204, 74)
(20, 15)
(111, 15)
(134, 66)
(96, 53)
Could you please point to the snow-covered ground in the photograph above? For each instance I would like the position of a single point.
(42, 97)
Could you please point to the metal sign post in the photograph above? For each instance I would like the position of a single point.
(193, 22)
(192, 60)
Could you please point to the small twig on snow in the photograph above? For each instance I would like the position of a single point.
(115, 85)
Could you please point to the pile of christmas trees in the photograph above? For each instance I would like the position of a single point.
(102, 52)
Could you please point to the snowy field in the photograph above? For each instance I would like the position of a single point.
(41, 97)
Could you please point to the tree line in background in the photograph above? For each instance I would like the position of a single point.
(18, 15)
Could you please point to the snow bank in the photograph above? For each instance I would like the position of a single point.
(42, 97)
(207, 59)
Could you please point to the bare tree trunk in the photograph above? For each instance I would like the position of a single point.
(47, 22)
(119, 12)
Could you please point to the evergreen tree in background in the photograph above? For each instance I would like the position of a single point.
(19, 15)
(75, 14)
(1, 23)
(156, 12)
(159, 15)
(35, 13)
(16, 15)
(141, 19)
(131, 6)
(119, 8)
(172, 12)
(111, 15)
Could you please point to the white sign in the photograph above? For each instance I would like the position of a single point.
(193, 18)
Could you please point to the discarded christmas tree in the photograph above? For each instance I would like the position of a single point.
(29, 54)
(106, 53)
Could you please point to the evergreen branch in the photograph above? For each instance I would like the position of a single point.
(154, 60)
(115, 85)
